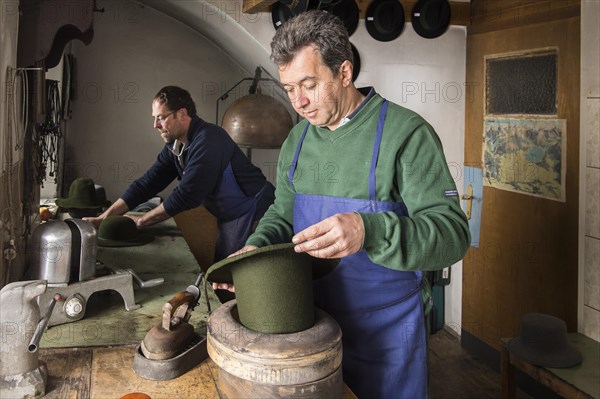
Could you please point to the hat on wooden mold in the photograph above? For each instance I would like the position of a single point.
(273, 287)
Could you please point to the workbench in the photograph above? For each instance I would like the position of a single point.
(578, 382)
(106, 372)
(93, 357)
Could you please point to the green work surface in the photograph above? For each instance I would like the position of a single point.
(107, 322)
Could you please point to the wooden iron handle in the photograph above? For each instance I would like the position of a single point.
(176, 307)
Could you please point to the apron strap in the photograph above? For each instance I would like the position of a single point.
(375, 156)
(292, 169)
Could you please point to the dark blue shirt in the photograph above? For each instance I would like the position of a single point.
(207, 152)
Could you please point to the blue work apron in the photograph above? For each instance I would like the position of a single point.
(235, 212)
(380, 310)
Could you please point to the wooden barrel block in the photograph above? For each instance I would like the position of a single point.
(252, 364)
(231, 386)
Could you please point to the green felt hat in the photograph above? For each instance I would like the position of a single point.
(82, 195)
(273, 287)
(120, 231)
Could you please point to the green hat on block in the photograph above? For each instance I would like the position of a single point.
(120, 231)
(273, 287)
(82, 195)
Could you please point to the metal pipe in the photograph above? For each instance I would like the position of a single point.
(41, 326)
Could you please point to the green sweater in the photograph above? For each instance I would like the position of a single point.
(411, 169)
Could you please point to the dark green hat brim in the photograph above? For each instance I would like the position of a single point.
(220, 272)
(140, 240)
(75, 204)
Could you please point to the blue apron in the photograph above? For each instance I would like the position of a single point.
(235, 212)
(380, 310)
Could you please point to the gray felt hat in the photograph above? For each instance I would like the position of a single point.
(543, 342)
(273, 287)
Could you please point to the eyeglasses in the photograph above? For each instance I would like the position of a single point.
(162, 118)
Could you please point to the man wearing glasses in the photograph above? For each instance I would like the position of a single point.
(211, 169)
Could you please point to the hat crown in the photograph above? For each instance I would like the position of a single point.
(388, 16)
(82, 194)
(273, 287)
(543, 332)
(431, 18)
(118, 228)
(434, 15)
(83, 191)
(384, 19)
(543, 342)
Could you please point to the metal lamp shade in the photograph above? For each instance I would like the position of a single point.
(257, 121)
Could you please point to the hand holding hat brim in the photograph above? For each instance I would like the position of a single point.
(220, 272)
(120, 231)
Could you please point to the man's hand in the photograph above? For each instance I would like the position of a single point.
(231, 287)
(94, 220)
(136, 219)
(244, 249)
(337, 236)
(119, 207)
(223, 286)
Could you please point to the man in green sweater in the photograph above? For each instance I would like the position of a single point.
(366, 181)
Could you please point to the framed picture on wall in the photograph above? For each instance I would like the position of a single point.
(525, 156)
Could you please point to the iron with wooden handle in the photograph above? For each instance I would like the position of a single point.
(170, 337)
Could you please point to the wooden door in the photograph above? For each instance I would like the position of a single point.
(527, 258)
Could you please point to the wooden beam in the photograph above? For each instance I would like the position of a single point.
(492, 15)
(460, 11)
(256, 6)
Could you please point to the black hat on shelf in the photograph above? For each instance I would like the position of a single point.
(431, 18)
(283, 10)
(543, 342)
(385, 19)
(346, 10)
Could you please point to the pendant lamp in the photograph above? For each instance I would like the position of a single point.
(256, 120)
